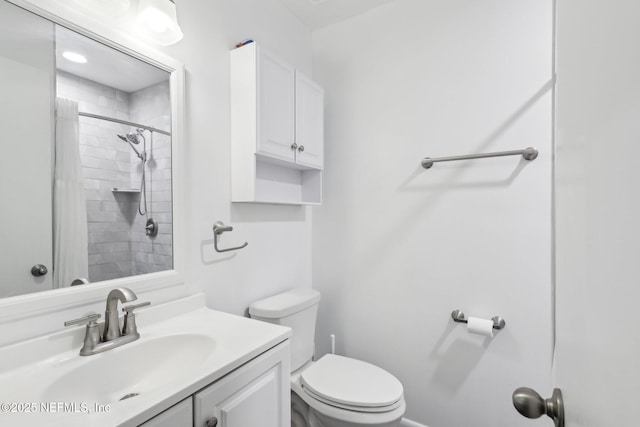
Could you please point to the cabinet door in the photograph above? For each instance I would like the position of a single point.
(309, 122)
(276, 108)
(179, 415)
(256, 394)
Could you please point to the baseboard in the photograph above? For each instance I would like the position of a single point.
(408, 423)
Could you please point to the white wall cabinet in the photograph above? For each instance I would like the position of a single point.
(257, 394)
(277, 130)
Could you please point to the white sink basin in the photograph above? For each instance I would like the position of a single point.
(183, 347)
(131, 370)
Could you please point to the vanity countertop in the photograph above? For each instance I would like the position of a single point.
(185, 345)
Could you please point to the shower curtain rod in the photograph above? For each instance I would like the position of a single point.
(123, 122)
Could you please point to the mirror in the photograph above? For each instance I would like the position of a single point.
(87, 165)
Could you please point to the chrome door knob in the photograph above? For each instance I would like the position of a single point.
(301, 148)
(294, 146)
(212, 422)
(39, 270)
(530, 404)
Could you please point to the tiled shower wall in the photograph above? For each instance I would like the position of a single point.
(118, 246)
(152, 106)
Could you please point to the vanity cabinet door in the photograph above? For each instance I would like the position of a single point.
(256, 394)
(179, 415)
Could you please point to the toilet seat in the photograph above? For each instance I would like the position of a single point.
(351, 384)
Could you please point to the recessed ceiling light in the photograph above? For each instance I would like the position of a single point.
(74, 57)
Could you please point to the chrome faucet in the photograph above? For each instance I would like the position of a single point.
(112, 336)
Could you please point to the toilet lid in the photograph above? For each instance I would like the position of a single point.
(351, 383)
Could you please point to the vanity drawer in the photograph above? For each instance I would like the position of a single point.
(179, 415)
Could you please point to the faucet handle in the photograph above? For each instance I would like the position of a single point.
(129, 309)
(89, 320)
(130, 327)
(92, 332)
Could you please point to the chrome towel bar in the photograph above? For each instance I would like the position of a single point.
(528, 153)
(458, 316)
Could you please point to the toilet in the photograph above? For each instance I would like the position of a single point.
(334, 391)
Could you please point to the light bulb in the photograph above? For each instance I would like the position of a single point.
(158, 18)
(74, 57)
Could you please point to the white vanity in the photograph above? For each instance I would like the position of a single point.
(192, 366)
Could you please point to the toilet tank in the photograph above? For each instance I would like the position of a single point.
(296, 309)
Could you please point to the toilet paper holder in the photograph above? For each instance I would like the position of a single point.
(458, 316)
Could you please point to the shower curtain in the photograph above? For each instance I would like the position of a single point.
(70, 247)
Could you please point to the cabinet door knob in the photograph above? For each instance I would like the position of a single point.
(294, 146)
(301, 148)
(212, 422)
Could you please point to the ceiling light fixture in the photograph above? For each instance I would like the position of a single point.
(74, 57)
(159, 21)
(105, 8)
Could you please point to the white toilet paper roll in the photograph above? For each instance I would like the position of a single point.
(476, 325)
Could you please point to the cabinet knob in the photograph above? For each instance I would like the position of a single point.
(212, 422)
(301, 148)
(294, 146)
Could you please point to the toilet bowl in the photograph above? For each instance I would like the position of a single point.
(334, 391)
(345, 392)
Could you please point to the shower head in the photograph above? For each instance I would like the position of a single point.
(134, 138)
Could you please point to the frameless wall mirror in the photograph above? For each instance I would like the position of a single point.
(86, 169)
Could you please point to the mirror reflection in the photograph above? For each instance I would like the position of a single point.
(86, 173)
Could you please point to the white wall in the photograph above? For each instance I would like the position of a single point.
(397, 248)
(598, 105)
(279, 253)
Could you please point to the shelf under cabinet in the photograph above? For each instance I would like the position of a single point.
(277, 183)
